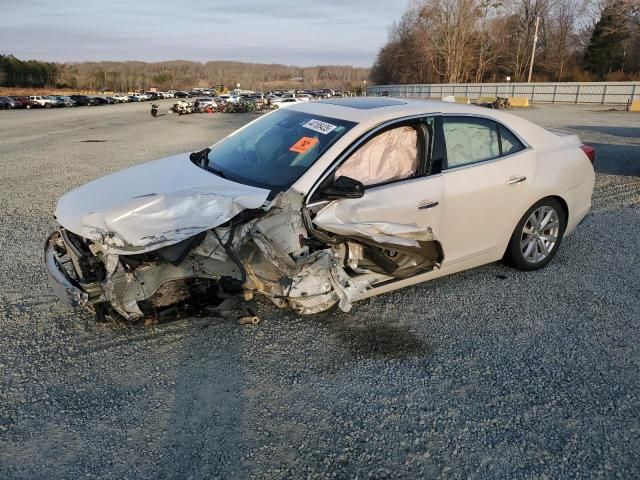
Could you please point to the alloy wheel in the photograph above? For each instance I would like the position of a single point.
(539, 234)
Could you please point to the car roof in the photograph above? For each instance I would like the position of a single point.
(369, 111)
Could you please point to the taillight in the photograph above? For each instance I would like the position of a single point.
(589, 152)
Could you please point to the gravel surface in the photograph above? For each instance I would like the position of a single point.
(490, 373)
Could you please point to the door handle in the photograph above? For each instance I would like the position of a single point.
(516, 180)
(426, 205)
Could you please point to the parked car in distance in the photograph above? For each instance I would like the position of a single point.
(58, 103)
(287, 102)
(66, 101)
(228, 98)
(181, 94)
(22, 100)
(9, 103)
(42, 101)
(109, 99)
(133, 98)
(83, 100)
(120, 98)
(204, 103)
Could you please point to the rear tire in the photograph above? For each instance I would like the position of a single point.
(537, 236)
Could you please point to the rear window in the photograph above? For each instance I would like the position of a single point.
(510, 143)
(470, 140)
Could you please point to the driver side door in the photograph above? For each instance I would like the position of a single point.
(398, 217)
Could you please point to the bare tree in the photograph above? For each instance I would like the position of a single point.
(449, 35)
(487, 55)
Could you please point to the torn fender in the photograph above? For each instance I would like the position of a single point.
(153, 205)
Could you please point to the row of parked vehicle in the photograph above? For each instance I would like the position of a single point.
(55, 101)
(279, 98)
(243, 102)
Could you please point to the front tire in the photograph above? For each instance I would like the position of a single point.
(537, 236)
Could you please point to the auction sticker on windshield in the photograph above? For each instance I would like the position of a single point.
(304, 144)
(320, 127)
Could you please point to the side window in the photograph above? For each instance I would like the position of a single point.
(391, 155)
(469, 140)
(510, 143)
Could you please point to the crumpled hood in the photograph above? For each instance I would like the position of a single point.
(153, 205)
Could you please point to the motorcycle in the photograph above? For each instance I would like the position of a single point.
(182, 108)
(154, 110)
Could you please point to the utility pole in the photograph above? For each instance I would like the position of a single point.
(533, 50)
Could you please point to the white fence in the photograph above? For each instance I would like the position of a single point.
(603, 93)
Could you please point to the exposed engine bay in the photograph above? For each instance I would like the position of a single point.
(303, 258)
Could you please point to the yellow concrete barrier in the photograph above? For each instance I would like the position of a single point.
(464, 100)
(634, 106)
(486, 100)
(518, 102)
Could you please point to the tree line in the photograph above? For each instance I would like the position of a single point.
(27, 74)
(459, 41)
(178, 75)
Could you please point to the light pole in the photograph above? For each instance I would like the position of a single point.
(533, 50)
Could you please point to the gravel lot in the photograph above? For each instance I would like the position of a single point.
(490, 373)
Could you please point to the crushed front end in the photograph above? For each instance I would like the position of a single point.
(262, 251)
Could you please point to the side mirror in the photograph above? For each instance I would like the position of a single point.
(342, 187)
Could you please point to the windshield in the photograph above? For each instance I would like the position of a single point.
(276, 150)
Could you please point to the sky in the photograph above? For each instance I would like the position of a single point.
(291, 32)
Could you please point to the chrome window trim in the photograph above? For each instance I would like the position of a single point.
(388, 123)
(485, 162)
(486, 117)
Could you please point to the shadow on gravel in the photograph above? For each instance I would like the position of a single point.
(379, 339)
(617, 159)
(630, 132)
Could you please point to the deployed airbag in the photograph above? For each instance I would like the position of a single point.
(392, 155)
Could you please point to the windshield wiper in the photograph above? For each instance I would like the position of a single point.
(220, 173)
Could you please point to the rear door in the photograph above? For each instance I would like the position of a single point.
(488, 173)
(397, 219)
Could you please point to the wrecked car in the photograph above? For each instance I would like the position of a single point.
(321, 205)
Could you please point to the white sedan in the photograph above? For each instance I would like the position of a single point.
(322, 204)
(288, 102)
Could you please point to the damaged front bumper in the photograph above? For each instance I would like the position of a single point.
(66, 288)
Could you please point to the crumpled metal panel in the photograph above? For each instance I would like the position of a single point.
(407, 235)
(154, 205)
